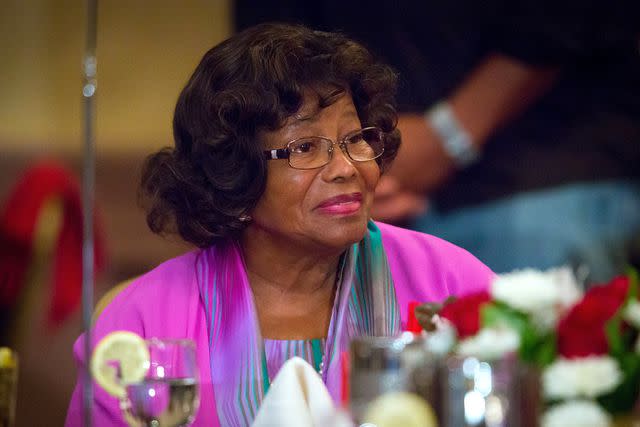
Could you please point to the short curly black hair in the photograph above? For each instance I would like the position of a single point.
(249, 83)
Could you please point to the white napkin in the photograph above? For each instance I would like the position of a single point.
(298, 398)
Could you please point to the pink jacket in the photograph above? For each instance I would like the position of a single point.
(165, 302)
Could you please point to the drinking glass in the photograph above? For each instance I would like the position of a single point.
(497, 393)
(383, 366)
(168, 396)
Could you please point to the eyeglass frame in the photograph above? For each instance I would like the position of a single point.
(285, 153)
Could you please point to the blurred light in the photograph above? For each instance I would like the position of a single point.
(483, 380)
(90, 66)
(473, 407)
(88, 90)
(495, 412)
(406, 337)
(470, 367)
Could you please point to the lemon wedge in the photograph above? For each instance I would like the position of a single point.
(120, 358)
(400, 409)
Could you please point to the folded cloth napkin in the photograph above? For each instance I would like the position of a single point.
(297, 397)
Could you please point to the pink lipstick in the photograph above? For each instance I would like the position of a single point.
(344, 204)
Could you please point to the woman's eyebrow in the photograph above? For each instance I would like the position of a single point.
(306, 116)
(323, 102)
(330, 98)
(350, 114)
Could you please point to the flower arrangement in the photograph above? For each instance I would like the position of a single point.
(587, 346)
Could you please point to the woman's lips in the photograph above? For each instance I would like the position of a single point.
(344, 204)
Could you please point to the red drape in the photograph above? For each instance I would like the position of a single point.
(18, 219)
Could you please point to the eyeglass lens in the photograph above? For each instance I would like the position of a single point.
(313, 152)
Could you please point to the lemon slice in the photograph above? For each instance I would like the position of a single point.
(6, 358)
(400, 409)
(120, 358)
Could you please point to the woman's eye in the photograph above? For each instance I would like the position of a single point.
(357, 139)
(304, 147)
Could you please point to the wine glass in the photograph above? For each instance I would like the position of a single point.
(168, 395)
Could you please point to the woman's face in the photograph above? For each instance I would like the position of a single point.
(327, 207)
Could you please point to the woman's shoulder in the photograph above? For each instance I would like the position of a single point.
(149, 300)
(169, 279)
(171, 274)
(427, 268)
(405, 240)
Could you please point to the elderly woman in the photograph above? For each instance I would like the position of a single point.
(281, 135)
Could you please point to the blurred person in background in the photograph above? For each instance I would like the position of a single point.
(520, 122)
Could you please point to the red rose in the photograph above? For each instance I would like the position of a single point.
(582, 331)
(464, 313)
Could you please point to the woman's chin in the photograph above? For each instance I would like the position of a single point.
(342, 234)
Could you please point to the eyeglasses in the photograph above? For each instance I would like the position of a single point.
(313, 152)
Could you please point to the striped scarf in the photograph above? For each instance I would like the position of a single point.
(365, 304)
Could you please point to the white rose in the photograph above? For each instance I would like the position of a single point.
(570, 291)
(587, 376)
(490, 343)
(442, 340)
(543, 294)
(576, 413)
(631, 314)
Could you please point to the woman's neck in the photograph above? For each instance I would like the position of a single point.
(293, 287)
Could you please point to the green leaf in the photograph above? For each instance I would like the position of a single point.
(624, 397)
(497, 313)
(632, 274)
(621, 341)
(537, 347)
(616, 339)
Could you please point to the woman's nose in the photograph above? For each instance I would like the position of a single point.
(340, 165)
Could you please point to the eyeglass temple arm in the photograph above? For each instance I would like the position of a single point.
(280, 153)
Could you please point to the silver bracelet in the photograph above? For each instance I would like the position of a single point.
(456, 141)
